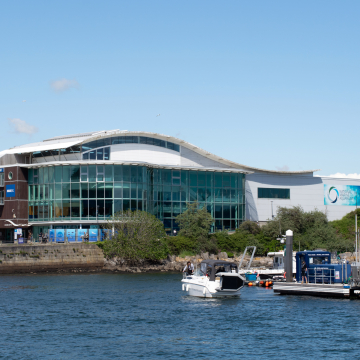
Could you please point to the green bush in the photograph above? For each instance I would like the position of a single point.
(184, 253)
(230, 254)
(178, 244)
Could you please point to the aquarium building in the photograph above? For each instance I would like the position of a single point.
(79, 181)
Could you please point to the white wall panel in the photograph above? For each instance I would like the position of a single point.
(145, 153)
(192, 158)
(306, 191)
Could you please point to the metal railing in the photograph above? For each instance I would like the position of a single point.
(321, 276)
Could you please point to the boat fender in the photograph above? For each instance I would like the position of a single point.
(284, 274)
(183, 287)
(187, 287)
(250, 284)
(204, 291)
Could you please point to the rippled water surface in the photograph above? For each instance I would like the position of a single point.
(112, 316)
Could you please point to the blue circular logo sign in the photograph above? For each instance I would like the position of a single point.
(333, 194)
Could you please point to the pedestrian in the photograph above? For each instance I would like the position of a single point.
(303, 271)
(189, 268)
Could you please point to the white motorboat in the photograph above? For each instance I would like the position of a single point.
(215, 278)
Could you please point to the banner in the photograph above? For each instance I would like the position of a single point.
(70, 233)
(60, 235)
(343, 195)
(81, 235)
(52, 235)
(93, 234)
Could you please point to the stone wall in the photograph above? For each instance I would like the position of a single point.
(50, 258)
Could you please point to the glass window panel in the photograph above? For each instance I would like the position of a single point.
(100, 208)
(108, 190)
(46, 194)
(41, 192)
(92, 208)
(30, 176)
(193, 178)
(201, 179)
(183, 195)
(92, 190)
(233, 180)
(100, 154)
(176, 147)
(226, 211)
(41, 175)
(75, 173)
(233, 211)
(30, 193)
(170, 145)
(109, 173)
(117, 206)
(92, 172)
(92, 155)
(66, 209)
(176, 173)
(58, 191)
(58, 209)
(51, 192)
(85, 156)
(108, 208)
(226, 180)
(176, 209)
(140, 205)
(133, 205)
(273, 193)
(226, 195)
(58, 174)
(176, 193)
(117, 172)
(218, 211)
(226, 224)
(201, 194)
(134, 171)
(118, 191)
(218, 179)
(66, 190)
(150, 141)
(100, 173)
(166, 176)
(233, 197)
(118, 140)
(133, 191)
(167, 209)
(84, 178)
(218, 195)
(126, 205)
(142, 139)
(210, 209)
(126, 190)
(75, 190)
(51, 174)
(209, 195)
(46, 175)
(100, 191)
(176, 181)
(75, 209)
(141, 173)
(218, 224)
(66, 173)
(167, 193)
(126, 173)
(84, 191)
(193, 194)
(84, 209)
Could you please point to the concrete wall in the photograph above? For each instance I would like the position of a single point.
(43, 258)
(306, 191)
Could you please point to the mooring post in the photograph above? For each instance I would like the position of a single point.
(289, 255)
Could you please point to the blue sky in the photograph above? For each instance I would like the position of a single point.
(267, 84)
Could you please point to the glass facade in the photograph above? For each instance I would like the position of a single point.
(271, 193)
(96, 192)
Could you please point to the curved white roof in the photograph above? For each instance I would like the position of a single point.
(78, 139)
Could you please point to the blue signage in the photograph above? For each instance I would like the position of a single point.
(93, 234)
(52, 235)
(1, 169)
(70, 233)
(81, 235)
(10, 190)
(60, 235)
(21, 240)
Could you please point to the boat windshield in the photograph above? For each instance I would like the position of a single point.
(225, 268)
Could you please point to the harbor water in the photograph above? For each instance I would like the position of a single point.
(113, 316)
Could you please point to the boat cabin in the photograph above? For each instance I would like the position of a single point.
(212, 267)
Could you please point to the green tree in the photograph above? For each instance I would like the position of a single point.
(137, 235)
(194, 222)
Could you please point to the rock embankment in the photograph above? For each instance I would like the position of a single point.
(177, 264)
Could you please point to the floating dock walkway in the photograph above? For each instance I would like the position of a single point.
(326, 290)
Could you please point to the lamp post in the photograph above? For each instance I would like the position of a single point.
(288, 256)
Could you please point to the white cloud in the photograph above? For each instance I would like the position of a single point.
(282, 168)
(64, 84)
(346, 176)
(22, 127)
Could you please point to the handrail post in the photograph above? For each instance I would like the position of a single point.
(315, 274)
